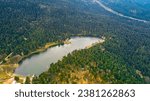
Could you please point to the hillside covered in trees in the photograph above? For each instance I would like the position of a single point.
(94, 65)
(135, 8)
(27, 25)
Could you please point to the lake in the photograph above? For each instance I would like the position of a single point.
(39, 63)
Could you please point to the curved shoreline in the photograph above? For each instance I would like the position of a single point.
(21, 58)
(40, 63)
(44, 48)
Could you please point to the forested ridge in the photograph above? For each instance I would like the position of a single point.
(93, 65)
(27, 25)
(135, 8)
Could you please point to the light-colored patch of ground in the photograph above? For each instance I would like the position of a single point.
(139, 73)
(50, 44)
(77, 76)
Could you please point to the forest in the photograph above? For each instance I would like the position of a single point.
(27, 25)
(135, 8)
(90, 66)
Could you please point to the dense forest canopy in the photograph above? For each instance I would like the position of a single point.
(134, 8)
(29, 24)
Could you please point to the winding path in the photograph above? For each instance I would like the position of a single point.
(117, 13)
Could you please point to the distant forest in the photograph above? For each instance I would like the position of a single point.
(26, 25)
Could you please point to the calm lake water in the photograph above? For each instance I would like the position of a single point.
(39, 63)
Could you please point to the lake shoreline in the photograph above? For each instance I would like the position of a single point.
(44, 48)
(14, 66)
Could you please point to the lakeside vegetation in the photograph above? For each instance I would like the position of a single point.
(27, 25)
(12, 62)
(89, 66)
